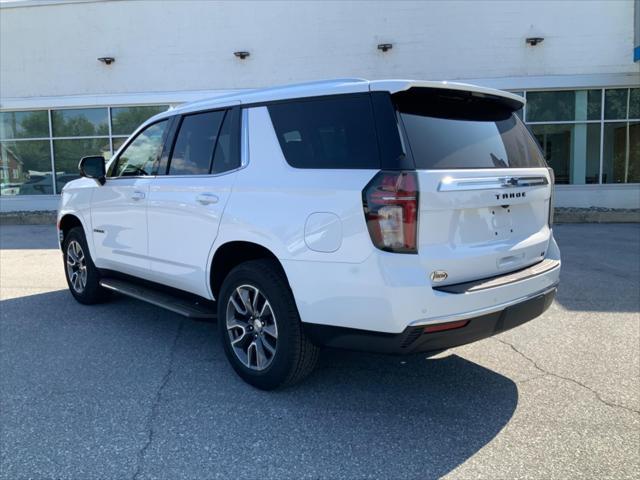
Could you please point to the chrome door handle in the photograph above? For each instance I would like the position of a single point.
(138, 195)
(207, 198)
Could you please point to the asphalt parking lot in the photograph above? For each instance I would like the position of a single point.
(127, 390)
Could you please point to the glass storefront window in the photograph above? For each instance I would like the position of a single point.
(124, 120)
(634, 104)
(615, 104)
(563, 105)
(28, 124)
(81, 122)
(69, 152)
(621, 152)
(26, 140)
(117, 142)
(25, 168)
(572, 150)
(633, 173)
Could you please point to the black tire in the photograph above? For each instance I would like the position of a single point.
(295, 356)
(90, 292)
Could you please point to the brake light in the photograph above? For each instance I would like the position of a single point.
(551, 198)
(390, 202)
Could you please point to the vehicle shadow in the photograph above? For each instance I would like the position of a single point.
(357, 416)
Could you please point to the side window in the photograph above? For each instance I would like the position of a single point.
(141, 156)
(337, 132)
(195, 144)
(227, 156)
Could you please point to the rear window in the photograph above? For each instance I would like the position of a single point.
(458, 130)
(336, 132)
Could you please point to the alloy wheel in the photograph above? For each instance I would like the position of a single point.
(76, 266)
(252, 328)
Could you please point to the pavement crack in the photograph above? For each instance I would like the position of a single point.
(546, 372)
(153, 414)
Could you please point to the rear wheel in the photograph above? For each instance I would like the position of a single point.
(260, 327)
(82, 275)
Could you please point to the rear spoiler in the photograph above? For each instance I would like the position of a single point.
(454, 101)
(396, 86)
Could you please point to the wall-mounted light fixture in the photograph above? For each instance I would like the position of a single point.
(107, 60)
(533, 41)
(385, 46)
(241, 55)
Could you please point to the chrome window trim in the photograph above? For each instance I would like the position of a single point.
(244, 139)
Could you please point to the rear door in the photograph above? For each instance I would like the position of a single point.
(485, 189)
(186, 201)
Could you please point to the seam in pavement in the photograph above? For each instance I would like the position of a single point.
(153, 414)
(566, 379)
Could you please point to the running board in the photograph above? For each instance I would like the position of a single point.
(191, 308)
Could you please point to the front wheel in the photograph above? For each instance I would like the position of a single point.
(82, 275)
(260, 327)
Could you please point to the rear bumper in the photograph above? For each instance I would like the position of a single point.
(415, 339)
(388, 293)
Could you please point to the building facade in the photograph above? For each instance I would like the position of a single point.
(572, 60)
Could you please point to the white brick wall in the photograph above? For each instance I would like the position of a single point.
(51, 50)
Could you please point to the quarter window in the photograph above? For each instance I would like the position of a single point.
(141, 156)
(195, 144)
(336, 132)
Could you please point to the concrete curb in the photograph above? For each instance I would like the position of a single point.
(562, 215)
(44, 217)
(596, 215)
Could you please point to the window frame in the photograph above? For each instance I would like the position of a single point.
(239, 131)
(114, 161)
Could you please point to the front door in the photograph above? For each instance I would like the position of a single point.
(119, 207)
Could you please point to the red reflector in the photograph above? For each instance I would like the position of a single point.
(439, 327)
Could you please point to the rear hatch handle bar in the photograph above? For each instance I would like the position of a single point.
(451, 184)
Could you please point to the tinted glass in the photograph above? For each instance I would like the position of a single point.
(193, 150)
(67, 154)
(125, 120)
(33, 124)
(337, 132)
(568, 105)
(227, 155)
(140, 157)
(634, 103)
(441, 143)
(117, 142)
(81, 122)
(621, 159)
(25, 168)
(615, 104)
(572, 150)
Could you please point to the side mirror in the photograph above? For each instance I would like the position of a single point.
(93, 167)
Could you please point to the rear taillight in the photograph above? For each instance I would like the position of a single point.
(390, 203)
(552, 178)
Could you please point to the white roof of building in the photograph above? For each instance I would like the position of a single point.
(328, 87)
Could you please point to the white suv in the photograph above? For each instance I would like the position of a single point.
(392, 216)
